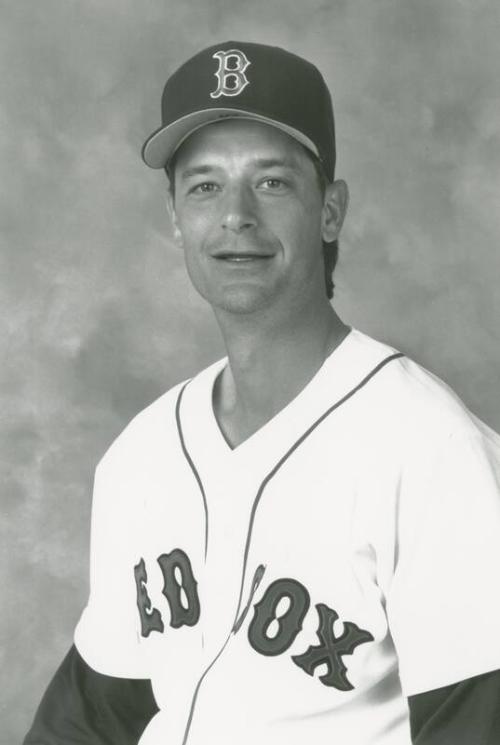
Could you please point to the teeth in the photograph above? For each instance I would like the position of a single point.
(242, 257)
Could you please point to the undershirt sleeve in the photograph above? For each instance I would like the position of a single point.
(83, 707)
(463, 713)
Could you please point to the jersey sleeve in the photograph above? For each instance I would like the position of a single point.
(106, 635)
(443, 605)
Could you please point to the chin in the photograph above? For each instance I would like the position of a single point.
(242, 300)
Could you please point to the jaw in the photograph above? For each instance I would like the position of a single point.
(237, 283)
(243, 298)
(265, 287)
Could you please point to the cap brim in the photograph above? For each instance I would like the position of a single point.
(159, 148)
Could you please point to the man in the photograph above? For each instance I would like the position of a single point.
(301, 544)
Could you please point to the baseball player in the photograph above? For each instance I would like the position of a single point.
(301, 543)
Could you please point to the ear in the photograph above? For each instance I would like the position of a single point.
(173, 217)
(334, 210)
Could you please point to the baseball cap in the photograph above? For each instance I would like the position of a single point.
(245, 80)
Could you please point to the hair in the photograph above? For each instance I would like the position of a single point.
(330, 249)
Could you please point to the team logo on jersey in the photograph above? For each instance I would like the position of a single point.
(329, 651)
(179, 588)
(270, 633)
(288, 625)
(230, 74)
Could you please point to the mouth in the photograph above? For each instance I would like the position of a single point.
(241, 257)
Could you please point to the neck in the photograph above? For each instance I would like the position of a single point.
(269, 364)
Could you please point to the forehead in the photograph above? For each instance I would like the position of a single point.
(241, 140)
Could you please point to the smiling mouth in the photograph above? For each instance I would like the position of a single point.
(239, 258)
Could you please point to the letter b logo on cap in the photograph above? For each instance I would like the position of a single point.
(231, 73)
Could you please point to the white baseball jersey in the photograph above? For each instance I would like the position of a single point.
(298, 587)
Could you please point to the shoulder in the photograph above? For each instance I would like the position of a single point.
(429, 468)
(152, 433)
(409, 401)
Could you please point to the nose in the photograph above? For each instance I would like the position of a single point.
(238, 212)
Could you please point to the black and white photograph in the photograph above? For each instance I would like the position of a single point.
(249, 377)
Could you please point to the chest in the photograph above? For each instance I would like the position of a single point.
(234, 549)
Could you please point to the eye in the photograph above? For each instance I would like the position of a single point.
(273, 183)
(206, 187)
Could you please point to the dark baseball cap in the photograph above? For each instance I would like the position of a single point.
(238, 79)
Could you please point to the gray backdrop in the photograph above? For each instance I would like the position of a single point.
(97, 316)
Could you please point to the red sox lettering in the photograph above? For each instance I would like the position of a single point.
(151, 619)
(329, 651)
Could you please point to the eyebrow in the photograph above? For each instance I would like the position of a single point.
(273, 162)
(196, 171)
(260, 163)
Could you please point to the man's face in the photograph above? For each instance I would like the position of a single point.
(250, 216)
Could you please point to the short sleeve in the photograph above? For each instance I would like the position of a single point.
(106, 635)
(443, 605)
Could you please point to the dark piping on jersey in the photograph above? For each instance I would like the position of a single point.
(257, 579)
(190, 461)
(239, 619)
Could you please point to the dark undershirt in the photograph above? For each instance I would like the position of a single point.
(465, 713)
(82, 707)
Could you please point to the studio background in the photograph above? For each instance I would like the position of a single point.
(97, 314)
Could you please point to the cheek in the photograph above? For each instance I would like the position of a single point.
(300, 229)
(197, 271)
(194, 227)
(195, 230)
